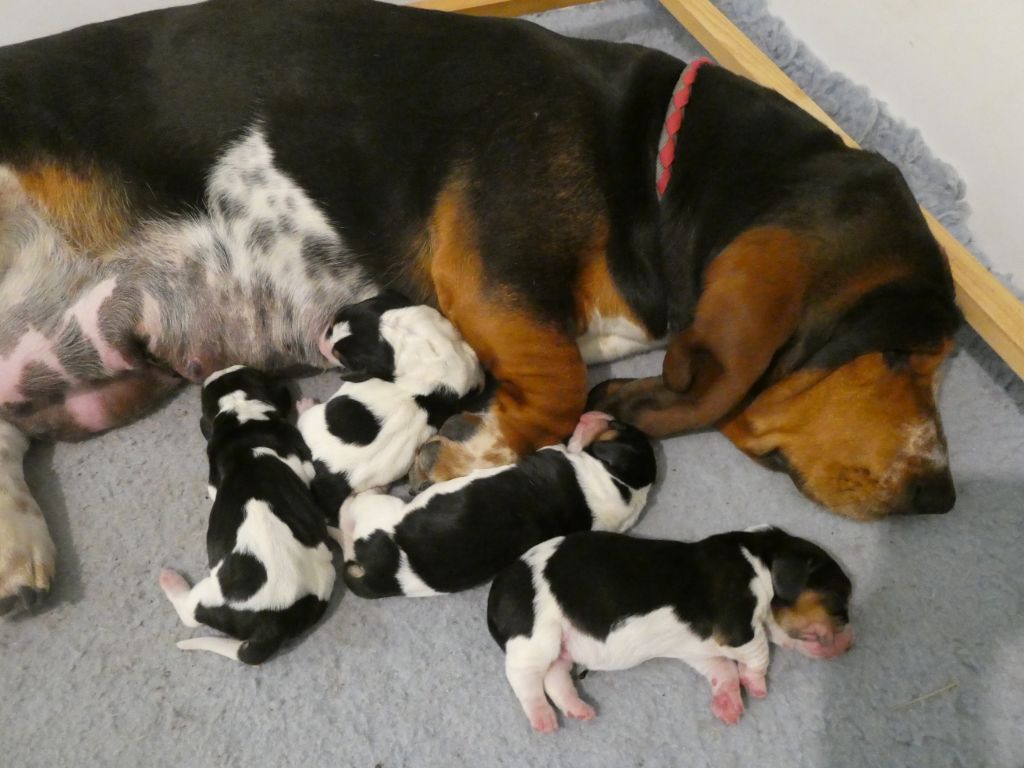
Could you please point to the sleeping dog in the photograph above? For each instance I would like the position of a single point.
(168, 207)
(611, 602)
(270, 567)
(406, 370)
(458, 534)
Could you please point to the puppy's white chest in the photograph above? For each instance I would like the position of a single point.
(658, 634)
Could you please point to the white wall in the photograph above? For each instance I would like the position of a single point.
(949, 67)
(25, 19)
(953, 69)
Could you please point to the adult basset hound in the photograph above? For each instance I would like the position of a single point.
(203, 186)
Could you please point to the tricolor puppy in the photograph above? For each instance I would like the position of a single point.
(460, 533)
(270, 568)
(607, 602)
(406, 370)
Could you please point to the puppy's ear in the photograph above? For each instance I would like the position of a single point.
(205, 426)
(789, 576)
(632, 462)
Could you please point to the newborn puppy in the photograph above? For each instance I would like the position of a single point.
(270, 567)
(606, 601)
(458, 534)
(406, 370)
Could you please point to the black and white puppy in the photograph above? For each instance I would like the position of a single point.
(271, 572)
(460, 533)
(407, 370)
(606, 602)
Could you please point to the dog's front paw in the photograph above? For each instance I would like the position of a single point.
(27, 554)
(464, 443)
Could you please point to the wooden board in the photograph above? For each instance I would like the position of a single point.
(496, 7)
(994, 312)
(991, 309)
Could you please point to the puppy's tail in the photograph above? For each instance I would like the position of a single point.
(225, 646)
(255, 650)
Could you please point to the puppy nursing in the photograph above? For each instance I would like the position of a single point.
(608, 602)
(271, 572)
(460, 533)
(582, 592)
(406, 370)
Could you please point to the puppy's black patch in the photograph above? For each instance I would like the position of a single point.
(378, 556)
(510, 604)
(241, 575)
(629, 458)
(265, 630)
(330, 490)
(350, 421)
(707, 584)
(440, 406)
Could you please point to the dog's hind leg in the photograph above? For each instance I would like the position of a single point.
(27, 553)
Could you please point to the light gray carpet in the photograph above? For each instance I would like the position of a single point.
(96, 679)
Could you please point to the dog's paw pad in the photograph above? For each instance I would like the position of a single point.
(27, 557)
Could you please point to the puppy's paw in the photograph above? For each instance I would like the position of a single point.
(580, 710)
(465, 442)
(304, 404)
(753, 682)
(27, 554)
(727, 705)
(173, 583)
(543, 718)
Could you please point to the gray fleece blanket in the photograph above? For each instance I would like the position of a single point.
(936, 677)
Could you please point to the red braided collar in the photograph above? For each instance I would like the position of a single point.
(673, 121)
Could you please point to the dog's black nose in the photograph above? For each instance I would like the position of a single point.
(934, 494)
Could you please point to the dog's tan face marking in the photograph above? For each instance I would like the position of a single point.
(88, 206)
(857, 439)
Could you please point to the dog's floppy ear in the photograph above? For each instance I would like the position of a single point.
(789, 576)
(751, 304)
(205, 426)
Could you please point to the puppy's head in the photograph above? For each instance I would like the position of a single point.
(624, 450)
(242, 394)
(353, 341)
(811, 594)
